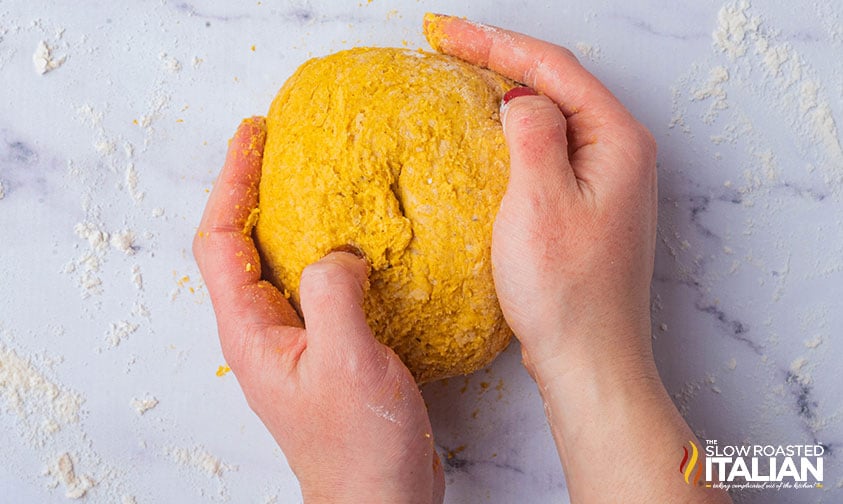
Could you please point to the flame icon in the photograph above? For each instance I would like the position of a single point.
(686, 470)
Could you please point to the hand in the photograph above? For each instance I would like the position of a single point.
(574, 239)
(572, 257)
(343, 408)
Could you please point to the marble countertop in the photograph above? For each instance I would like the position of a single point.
(114, 118)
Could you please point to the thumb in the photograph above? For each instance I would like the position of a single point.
(331, 294)
(534, 127)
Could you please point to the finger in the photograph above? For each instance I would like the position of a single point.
(331, 293)
(548, 68)
(227, 256)
(599, 129)
(540, 171)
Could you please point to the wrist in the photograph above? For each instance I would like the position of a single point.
(605, 350)
(397, 489)
(599, 373)
(358, 496)
(594, 409)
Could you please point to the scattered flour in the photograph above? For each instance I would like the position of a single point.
(140, 310)
(124, 241)
(814, 343)
(760, 62)
(199, 458)
(144, 405)
(96, 237)
(44, 60)
(42, 406)
(381, 412)
(75, 486)
(105, 147)
(798, 371)
(157, 105)
(119, 331)
(821, 122)
(44, 413)
(171, 64)
(713, 89)
(137, 277)
(683, 397)
(48, 416)
(733, 25)
(88, 264)
(131, 180)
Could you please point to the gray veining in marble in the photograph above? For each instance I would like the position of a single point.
(128, 134)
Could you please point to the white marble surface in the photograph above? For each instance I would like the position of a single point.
(127, 134)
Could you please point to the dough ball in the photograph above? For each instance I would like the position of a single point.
(400, 154)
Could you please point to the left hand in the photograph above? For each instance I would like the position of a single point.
(343, 407)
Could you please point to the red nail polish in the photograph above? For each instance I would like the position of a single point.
(518, 91)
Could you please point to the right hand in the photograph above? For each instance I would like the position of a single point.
(572, 257)
(574, 239)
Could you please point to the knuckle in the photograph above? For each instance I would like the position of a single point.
(641, 146)
(647, 141)
(568, 53)
(550, 56)
(323, 282)
(312, 279)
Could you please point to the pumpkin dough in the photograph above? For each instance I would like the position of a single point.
(400, 154)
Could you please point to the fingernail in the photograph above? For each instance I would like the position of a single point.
(350, 249)
(518, 91)
(351, 264)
